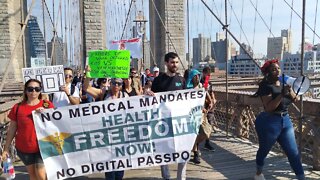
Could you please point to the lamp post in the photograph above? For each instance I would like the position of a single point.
(141, 30)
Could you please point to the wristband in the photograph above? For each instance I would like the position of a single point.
(88, 75)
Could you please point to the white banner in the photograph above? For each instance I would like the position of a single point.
(119, 134)
(52, 77)
(133, 45)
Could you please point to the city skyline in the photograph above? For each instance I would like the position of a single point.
(201, 21)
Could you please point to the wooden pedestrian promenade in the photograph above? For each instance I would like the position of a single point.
(234, 158)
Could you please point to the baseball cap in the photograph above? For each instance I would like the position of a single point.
(155, 69)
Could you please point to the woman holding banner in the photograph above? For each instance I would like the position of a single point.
(22, 129)
(115, 92)
(274, 123)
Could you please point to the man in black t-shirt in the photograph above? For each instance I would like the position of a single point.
(170, 81)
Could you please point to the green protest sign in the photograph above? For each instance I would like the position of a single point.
(109, 63)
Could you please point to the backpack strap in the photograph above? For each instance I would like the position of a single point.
(73, 88)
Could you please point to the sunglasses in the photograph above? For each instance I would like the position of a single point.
(68, 76)
(31, 89)
(117, 83)
(133, 72)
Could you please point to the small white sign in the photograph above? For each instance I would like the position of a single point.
(52, 77)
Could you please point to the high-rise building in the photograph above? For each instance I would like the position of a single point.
(36, 40)
(288, 34)
(201, 50)
(247, 49)
(57, 56)
(218, 51)
(277, 46)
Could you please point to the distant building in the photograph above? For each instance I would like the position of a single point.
(242, 66)
(36, 40)
(58, 57)
(291, 66)
(201, 50)
(277, 46)
(247, 48)
(218, 51)
(291, 63)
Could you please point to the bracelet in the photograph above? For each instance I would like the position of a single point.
(88, 75)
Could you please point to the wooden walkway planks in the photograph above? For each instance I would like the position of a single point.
(234, 158)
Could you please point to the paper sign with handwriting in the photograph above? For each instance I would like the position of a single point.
(109, 63)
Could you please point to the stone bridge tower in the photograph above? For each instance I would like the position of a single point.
(12, 15)
(172, 22)
(93, 26)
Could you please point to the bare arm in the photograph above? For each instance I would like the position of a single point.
(270, 104)
(10, 135)
(74, 100)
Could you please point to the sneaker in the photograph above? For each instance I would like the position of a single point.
(259, 177)
(209, 147)
(196, 158)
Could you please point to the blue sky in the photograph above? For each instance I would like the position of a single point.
(201, 21)
(280, 20)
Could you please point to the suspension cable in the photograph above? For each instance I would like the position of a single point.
(315, 21)
(255, 23)
(127, 17)
(241, 19)
(261, 18)
(48, 12)
(225, 27)
(241, 28)
(291, 14)
(301, 19)
(271, 16)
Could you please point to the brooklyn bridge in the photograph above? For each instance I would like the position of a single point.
(64, 32)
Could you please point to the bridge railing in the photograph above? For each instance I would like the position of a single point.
(243, 109)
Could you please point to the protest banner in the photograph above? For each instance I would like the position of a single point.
(133, 45)
(119, 134)
(52, 77)
(109, 63)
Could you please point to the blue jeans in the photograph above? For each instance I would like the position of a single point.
(271, 128)
(114, 175)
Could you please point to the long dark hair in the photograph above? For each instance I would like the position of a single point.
(25, 97)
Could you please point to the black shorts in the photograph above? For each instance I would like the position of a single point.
(30, 158)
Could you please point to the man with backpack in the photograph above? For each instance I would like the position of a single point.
(69, 93)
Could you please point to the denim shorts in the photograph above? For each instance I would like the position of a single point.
(30, 158)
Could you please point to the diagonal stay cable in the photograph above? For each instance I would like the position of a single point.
(262, 18)
(24, 25)
(48, 13)
(315, 21)
(167, 32)
(225, 27)
(301, 19)
(127, 18)
(239, 23)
